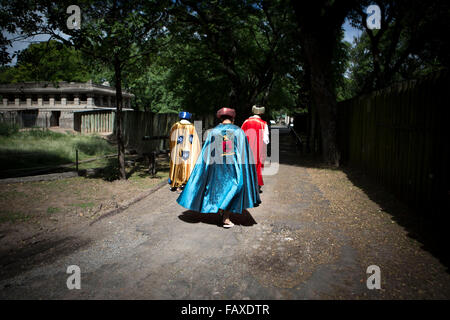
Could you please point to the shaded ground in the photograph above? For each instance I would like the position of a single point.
(313, 237)
(35, 217)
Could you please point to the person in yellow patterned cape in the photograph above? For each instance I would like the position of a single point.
(184, 151)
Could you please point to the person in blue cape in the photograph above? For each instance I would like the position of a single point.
(224, 178)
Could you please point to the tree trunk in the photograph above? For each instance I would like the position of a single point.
(320, 24)
(119, 120)
(323, 95)
(240, 104)
(326, 105)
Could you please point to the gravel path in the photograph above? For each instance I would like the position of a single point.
(308, 240)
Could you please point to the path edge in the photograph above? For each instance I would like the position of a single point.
(126, 205)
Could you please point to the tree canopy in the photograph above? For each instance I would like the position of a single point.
(412, 42)
(49, 61)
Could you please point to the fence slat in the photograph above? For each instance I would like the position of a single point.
(400, 136)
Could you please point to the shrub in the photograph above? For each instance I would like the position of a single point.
(7, 129)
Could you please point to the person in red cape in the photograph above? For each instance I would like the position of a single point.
(257, 132)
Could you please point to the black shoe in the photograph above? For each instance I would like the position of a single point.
(260, 190)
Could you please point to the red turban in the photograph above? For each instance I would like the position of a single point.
(226, 112)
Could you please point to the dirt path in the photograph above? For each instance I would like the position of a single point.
(313, 237)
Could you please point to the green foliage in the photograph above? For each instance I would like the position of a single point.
(236, 53)
(13, 216)
(412, 42)
(340, 65)
(202, 55)
(192, 71)
(51, 210)
(83, 205)
(93, 146)
(231, 53)
(7, 129)
(154, 89)
(283, 95)
(47, 61)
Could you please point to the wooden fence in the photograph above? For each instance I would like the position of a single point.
(138, 124)
(400, 136)
(94, 121)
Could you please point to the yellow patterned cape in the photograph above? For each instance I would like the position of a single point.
(184, 151)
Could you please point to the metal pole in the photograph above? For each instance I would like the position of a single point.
(77, 159)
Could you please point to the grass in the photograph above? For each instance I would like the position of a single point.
(41, 148)
(11, 195)
(83, 205)
(8, 129)
(13, 216)
(21, 150)
(51, 210)
(140, 178)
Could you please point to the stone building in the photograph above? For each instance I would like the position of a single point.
(84, 107)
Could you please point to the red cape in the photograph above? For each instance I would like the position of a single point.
(254, 130)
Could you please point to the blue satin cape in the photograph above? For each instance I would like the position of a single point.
(224, 176)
